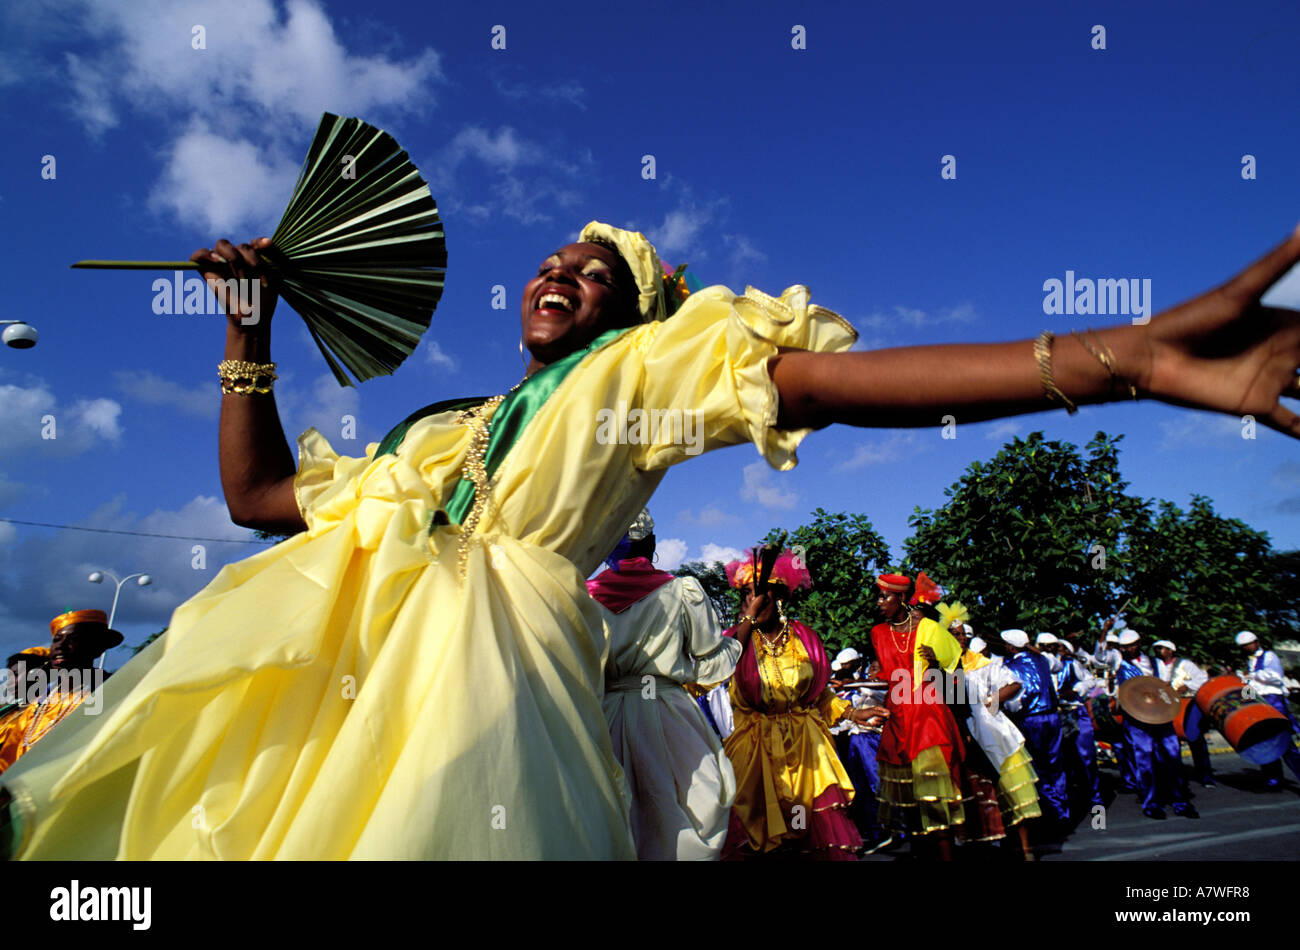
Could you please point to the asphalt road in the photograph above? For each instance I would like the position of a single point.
(1240, 821)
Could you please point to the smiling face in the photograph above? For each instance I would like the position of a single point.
(579, 292)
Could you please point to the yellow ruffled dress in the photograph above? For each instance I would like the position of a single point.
(372, 688)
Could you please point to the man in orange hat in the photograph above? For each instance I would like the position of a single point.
(77, 638)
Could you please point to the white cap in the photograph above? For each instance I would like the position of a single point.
(1245, 637)
(1112, 637)
(1129, 637)
(1066, 644)
(976, 645)
(1017, 638)
(1046, 638)
(643, 527)
(1165, 643)
(847, 655)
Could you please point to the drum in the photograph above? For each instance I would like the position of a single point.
(1180, 722)
(1105, 724)
(1258, 732)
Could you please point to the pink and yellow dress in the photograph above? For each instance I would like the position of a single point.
(791, 790)
(407, 679)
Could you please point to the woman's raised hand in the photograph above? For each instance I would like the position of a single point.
(1226, 351)
(250, 302)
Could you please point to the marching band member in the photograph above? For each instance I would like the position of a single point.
(1157, 760)
(1038, 719)
(1264, 674)
(1074, 684)
(1185, 678)
(859, 742)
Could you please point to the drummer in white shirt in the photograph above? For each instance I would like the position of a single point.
(1265, 675)
(1185, 677)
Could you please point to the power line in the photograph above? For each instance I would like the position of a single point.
(137, 534)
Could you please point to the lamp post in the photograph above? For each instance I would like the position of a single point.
(19, 334)
(97, 577)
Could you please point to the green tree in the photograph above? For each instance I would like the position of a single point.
(713, 578)
(1033, 538)
(1197, 578)
(843, 553)
(152, 637)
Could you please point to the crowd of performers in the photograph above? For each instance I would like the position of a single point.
(752, 743)
(934, 739)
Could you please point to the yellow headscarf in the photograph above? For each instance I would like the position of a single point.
(647, 270)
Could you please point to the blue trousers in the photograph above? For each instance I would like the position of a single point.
(1157, 763)
(1085, 746)
(1201, 758)
(1291, 757)
(860, 763)
(1042, 733)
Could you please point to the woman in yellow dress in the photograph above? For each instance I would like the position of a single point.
(417, 671)
(792, 792)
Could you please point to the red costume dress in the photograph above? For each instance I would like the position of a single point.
(921, 748)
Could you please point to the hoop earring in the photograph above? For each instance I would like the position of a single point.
(521, 354)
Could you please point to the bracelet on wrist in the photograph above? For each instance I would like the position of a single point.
(241, 378)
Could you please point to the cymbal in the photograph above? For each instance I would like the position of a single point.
(1149, 699)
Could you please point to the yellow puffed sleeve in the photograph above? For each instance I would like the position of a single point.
(831, 707)
(706, 380)
(325, 485)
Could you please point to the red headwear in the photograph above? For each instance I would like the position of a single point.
(927, 591)
(894, 583)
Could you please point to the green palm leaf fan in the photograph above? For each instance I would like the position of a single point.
(360, 252)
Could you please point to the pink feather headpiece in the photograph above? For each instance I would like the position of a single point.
(789, 570)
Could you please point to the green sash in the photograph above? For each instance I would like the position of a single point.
(504, 428)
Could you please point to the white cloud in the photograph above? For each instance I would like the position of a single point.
(569, 91)
(1200, 429)
(912, 318)
(435, 355)
(32, 412)
(267, 72)
(761, 486)
(1000, 431)
(42, 572)
(261, 55)
(524, 178)
(719, 554)
(324, 408)
(892, 448)
(151, 389)
(241, 195)
(671, 551)
(710, 516)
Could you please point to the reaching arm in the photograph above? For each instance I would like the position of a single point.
(257, 467)
(1222, 351)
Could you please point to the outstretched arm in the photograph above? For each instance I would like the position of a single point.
(1223, 351)
(257, 467)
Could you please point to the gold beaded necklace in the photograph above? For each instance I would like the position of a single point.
(476, 418)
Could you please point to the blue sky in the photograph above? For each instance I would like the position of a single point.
(774, 166)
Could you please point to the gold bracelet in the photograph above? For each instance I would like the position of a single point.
(1107, 359)
(239, 378)
(1043, 354)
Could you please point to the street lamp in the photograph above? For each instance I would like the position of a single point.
(97, 577)
(19, 334)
